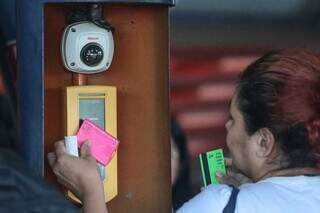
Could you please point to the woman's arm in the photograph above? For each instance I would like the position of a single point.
(80, 175)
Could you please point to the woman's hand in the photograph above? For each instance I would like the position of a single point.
(80, 175)
(233, 176)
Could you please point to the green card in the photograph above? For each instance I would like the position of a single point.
(212, 162)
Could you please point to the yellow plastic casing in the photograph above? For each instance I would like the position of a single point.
(73, 95)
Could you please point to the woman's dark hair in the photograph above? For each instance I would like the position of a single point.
(181, 190)
(281, 92)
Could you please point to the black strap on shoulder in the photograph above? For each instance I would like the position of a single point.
(231, 205)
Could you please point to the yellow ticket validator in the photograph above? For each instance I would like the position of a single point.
(99, 105)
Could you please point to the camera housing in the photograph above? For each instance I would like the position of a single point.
(87, 48)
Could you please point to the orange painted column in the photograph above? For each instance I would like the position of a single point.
(140, 71)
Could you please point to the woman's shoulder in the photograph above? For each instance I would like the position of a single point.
(215, 197)
(212, 199)
(278, 192)
(295, 182)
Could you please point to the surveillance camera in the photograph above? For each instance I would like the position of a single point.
(87, 48)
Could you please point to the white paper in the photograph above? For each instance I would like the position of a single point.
(71, 145)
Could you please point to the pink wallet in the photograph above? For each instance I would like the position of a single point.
(103, 145)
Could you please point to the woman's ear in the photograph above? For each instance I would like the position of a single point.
(265, 143)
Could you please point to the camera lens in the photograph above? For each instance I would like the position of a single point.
(91, 54)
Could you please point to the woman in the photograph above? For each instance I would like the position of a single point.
(273, 137)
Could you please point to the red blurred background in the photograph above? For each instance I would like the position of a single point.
(202, 85)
